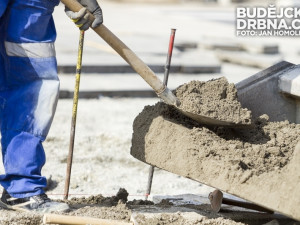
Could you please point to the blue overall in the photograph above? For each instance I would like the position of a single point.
(29, 89)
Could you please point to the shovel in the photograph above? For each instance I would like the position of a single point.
(145, 72)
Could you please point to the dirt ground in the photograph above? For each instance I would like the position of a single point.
(117, 208)
(102, 165)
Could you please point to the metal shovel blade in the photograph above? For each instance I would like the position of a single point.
(169, 98)
(212, 121)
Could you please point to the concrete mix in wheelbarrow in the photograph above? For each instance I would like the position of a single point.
(257, 164)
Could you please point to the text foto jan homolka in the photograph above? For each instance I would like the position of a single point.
(268, 21)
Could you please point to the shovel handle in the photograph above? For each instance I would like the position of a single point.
(62, 219)
(129, 56)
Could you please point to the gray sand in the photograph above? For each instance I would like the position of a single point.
(215, 98)
(258, 164)
(267, 147)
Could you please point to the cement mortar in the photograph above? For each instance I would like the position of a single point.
(215, 98)
(255, 164)
(267, 147)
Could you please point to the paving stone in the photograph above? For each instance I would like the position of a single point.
(244, 58)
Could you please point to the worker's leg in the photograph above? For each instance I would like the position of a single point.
(3, 5)
(29, 95)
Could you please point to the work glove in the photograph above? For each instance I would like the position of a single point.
(81, 18)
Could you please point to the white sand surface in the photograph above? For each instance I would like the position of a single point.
(102, 163)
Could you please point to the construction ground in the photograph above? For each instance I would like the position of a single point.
(112, 96)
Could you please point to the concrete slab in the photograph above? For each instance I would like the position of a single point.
(188, 199)
(243, 58)
(64, 94)
(115, 82)
(185, 45)
(199, 61)
(93, 85)
(218, 43)
(289, 83)
(231, 44)
(260, 48)
(104, 62)
(120, 85)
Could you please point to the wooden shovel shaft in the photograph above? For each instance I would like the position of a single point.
(216, 200)
(128, 55)
(78, 220)
(74, 115)
(169, 57)
(166, 77)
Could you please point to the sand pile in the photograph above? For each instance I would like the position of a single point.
(238, 161)
(267, 147)
(216, 99)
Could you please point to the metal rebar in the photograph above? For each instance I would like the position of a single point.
(216, 200)
(74, 115)
(169, 57)
(165, 82)
(246, 205)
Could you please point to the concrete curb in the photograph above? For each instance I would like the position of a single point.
(64, 94)
(70, 69)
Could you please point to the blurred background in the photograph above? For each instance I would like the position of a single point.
(206, 45)
(112, 95)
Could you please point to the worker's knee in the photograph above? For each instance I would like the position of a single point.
(23, 70)
(30, 108)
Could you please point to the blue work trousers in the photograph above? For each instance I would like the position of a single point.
(29, 88)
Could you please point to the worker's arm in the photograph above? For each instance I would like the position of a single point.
(81, 18)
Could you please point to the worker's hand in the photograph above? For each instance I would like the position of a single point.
(81, 18)
(94, 8)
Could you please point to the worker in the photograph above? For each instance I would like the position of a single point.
(29, 88)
